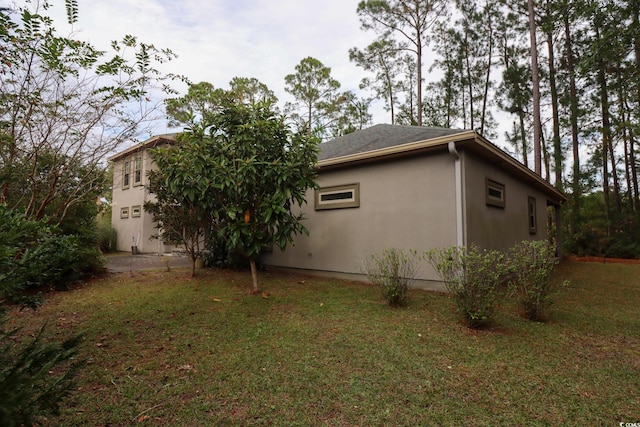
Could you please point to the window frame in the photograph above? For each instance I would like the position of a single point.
(136, 211)
(339, 203)
(126, 174)
(532, 215)
(492, 200)
(137, 170)
(124, 213)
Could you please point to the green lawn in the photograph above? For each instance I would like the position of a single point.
(162, 349)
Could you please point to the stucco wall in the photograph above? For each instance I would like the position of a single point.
(408, 204)
(495, 227)
(139, 228)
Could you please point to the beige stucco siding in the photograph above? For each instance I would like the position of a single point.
(496, 227)
(408, 204)
(133, 228)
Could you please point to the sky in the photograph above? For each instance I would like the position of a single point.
(216, 40)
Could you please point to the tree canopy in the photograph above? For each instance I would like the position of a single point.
(245, 170)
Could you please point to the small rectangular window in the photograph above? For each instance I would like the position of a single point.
(495, 194)
(338, 197)
(126, 174)
(533, 220)
(137, 170)
(124, 213)
(135, 211)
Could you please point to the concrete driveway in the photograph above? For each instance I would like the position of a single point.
(122, 262)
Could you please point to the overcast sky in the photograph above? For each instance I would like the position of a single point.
(216, 40)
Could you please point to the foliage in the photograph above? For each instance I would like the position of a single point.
(531, 264)
(181, 209)
(473, 276)
(34, 254)
(319, 108)
(236, 176)
(64, 107)
(218, 255)
(404, 24)
(35, 376)
(381, 58)
(107, 237)
(392, 270)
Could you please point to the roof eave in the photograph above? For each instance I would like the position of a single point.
(465, 137)
(149, 143)
(393, 151)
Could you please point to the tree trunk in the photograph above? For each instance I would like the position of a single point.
(625, 142)
(545, 157)
(573, 119)
(523, 138)
(487, 81)
(632, 133)
(254, 275)
(606, 129)
(535, 80)
(469, 79)
(419, 82)
(557, 148)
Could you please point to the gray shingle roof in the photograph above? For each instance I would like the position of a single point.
(379, 136)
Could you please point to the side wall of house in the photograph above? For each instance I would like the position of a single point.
(407, 203)
(492, 226)
(128, 217)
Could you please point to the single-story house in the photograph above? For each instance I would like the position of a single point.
(387, 186)
(419, 188)
(133, 225)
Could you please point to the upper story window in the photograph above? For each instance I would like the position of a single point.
(126, 174)
(137, 170)
(495, 193)
(337, 197)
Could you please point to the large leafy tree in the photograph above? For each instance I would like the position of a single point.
(261, 171)
(243, 171)
(64, 103)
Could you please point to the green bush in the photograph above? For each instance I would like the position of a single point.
(107, 237)
(530, 266)
(473, 277)
(392, 270)
(34, 254)
(35, 376)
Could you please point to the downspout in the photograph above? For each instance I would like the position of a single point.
(460, 237)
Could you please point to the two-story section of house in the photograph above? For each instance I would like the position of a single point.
(134, 226)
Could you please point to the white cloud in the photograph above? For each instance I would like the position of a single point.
(221, 39)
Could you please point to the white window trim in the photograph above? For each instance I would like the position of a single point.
(136, 211)
(124, 213)
(135, 170)
(126, 174)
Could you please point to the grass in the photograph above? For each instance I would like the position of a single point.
(165, 350)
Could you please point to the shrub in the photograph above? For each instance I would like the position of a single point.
(29, 388)
(392, 270)
(34, 254)
(473, 277)
(530, 265)
(107, 237)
